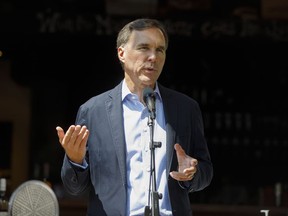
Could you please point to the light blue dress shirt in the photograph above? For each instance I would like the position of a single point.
(137, 137)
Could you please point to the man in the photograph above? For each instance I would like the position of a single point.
(108, 150)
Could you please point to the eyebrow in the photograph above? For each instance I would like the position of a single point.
(146, 44)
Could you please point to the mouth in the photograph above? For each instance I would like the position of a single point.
(150, 69)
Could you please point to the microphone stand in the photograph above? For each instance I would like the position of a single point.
(155, 196)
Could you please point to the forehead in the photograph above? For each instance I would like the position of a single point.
(147, 36)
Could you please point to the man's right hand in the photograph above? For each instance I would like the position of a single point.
(74, 142)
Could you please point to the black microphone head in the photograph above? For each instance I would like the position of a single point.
(147, 92)
(149, 100)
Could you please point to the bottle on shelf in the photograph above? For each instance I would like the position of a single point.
(46, 174)
(4, 202)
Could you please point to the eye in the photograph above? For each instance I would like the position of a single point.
(161, 50)
(143, 48)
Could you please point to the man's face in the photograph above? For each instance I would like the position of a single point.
(143, 57)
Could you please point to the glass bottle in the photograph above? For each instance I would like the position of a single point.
(3, 198)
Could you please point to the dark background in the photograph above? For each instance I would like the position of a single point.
(227, 56)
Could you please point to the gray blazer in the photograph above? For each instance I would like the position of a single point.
(106, 178)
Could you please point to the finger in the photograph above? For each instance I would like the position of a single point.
(194, 162)
(68, 135)
(190, 170)
(85, 138)
(180, 176)
(75, 134)
(82, 137)
(190, 177)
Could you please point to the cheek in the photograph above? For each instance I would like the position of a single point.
(162, 58)
(161, 64)
(135, 60)
(130, 58)
(133, 64)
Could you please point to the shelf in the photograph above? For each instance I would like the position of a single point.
(78, 207)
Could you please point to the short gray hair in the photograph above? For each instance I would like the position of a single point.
(140, 24)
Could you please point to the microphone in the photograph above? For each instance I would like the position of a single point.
(149, 100)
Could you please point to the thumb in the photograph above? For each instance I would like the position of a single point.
(60, 133)
(179, 151)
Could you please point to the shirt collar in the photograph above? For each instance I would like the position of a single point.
(126, 91)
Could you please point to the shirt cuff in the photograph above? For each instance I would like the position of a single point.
(84, 165)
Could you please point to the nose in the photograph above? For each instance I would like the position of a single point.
(152, 55)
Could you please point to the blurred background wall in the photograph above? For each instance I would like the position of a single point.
(231, 56)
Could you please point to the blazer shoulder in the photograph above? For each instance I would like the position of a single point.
(175, 96)
(102, 98)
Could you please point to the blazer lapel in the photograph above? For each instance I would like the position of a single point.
(115, 118)
(171, 119)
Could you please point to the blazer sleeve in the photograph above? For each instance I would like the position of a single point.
(75, 178)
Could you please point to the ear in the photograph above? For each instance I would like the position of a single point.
(121, 51)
